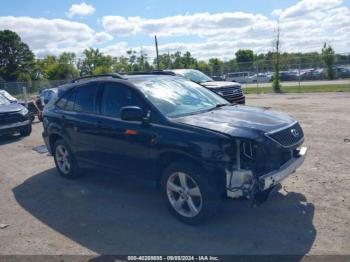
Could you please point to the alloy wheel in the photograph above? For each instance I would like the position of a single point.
(62, 159)
(184, 194)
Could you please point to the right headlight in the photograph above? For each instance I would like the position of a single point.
(24, 111)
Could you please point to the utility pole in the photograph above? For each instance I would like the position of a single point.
(141, 59)
(155, 40)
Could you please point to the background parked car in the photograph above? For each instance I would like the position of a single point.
(45, 96)
(232, 92)
(342, 72)
(312, 74)
(261, 78)
(239, 77)
(14, 118)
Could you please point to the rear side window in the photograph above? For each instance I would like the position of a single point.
(115, 96)
(85, 98)
(67, 101)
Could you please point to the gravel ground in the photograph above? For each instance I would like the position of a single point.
(105, 214)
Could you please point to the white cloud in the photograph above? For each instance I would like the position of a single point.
(53, 36)
(307, 8)
(304, 27)
(102, 37)
(119, 25)
(117, 49)
(201, 24)
(81, 9)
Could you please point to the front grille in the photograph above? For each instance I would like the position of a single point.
(289, 136)
(11, 118)
(229, 93)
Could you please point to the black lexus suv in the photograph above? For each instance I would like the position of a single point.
(197, 147)
(14, 118)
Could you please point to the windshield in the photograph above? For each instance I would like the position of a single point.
(194, 75)
(178, 97)
(4, 101)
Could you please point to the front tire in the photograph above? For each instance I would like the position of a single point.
(65, 161)
(188, 194)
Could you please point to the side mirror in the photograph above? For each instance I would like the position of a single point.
(131, 113)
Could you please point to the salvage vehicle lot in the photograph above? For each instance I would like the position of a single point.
(108, 214)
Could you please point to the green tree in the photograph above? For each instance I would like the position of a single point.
(188, 61)
(244, 59)
(216, 66)
(16, 59)
(93, 59)
(164, 61)
(276, 84)
(57, 68)
(204, 67)
(328, 57)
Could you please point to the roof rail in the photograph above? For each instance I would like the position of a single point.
(157, 72)
(113, 75)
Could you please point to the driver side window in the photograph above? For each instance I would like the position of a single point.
(115, 96)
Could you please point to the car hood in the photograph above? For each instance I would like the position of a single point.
(238, 121)
(11, 108)
(219, 84)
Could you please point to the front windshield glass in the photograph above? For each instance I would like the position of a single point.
(194, 75)
(3, 101)
(178, 97)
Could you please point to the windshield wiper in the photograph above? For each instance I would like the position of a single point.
(221, 105)
(218, 106)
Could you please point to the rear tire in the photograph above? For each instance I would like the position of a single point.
(26, 131)
(65, 161)
(188, 194)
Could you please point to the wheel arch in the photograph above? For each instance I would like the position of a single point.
(166, 158)
(52, 140)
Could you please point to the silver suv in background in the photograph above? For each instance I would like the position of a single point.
(231, 91)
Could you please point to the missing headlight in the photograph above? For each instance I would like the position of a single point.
(247, 149)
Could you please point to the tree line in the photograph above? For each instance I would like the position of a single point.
(18, 62)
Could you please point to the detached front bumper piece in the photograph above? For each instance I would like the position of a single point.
(276, 176)
(14, 127)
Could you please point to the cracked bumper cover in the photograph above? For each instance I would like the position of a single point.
(273, 178)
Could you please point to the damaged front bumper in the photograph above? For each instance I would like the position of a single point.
(242, 183)
(273, 178)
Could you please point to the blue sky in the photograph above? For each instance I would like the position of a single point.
(206, 28)
(147, 8)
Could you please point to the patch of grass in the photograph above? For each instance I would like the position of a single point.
(301, 89)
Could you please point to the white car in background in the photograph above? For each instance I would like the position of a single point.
(239, 77)
(261, 78)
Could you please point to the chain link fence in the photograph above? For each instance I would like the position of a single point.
(258, 74)
(25, 91)
(263, 71)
